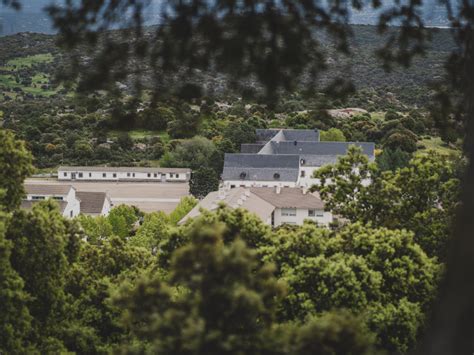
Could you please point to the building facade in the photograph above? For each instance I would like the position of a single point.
(64, 195)
(275, 206)
(97, 173)
(285, 158)
(71, 202)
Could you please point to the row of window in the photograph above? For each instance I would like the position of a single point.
(58, 198)
(291, 212)
(114, 175)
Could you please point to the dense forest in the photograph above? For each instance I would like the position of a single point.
(225, 283)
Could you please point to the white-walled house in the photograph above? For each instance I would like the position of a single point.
(71, 202)
(64, 195)
(102, 173)
(274, 206)
(285, 158)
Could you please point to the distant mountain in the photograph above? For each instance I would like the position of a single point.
(32, 18)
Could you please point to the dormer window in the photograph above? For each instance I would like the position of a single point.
(302, 161)
(276, 176)
(243, 175)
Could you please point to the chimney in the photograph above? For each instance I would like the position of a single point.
(305, 190)
(221, 194)
(278, 189)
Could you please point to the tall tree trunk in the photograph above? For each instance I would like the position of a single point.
(452, 327)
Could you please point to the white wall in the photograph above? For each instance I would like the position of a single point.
(73, 207)
(116, 176)
(301, 216)
(246, 183)
(107, 207)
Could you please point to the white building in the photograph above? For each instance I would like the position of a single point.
(285, 158)
(103, 173)
(274, 206)
(71, 202)
(64, 195)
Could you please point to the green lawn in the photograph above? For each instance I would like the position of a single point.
(29, 61)
(142, 133)
(436, 144)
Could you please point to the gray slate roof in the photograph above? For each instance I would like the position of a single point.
(320, 148)
(260, 167)
(251, 148)
(301, 135)
(91, 202)
(45, 189)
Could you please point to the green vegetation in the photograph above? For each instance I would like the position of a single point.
(225, 281)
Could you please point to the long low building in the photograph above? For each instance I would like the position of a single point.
(107, 173)
(274, 206)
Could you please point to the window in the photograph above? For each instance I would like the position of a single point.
(65, 174)
(319, 213)
(133, 174)
(311, 213)
(171, 175)
(90, 174)
(288, 211)
(37, 197)
(276, 176)
(80, 175)
(155, 175)
(70, 214)
(303, 173)
(128, 174)
(57, 198)
(149, 175)
(104, 174)
(177, 175)
(114, 175)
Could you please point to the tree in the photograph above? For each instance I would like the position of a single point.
(152, 231)
(123, 219)
(357, 268)
(193, 153)
(15, 319)
(420, 197)
(90, 283)
(41, 240)
(333, 333)
(239, 132)
(186, 204)
(227, 304)
(332, 135)
(392, 159)
(125, 141)
(15, 163)
(203, 181)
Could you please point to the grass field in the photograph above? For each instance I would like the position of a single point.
(24, 62)
(436, 144)
(142, 133)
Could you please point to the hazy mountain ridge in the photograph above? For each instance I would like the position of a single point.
(32, 17)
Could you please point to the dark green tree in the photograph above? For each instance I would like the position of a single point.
(219, 299)
(15, 163)
(203, 181)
